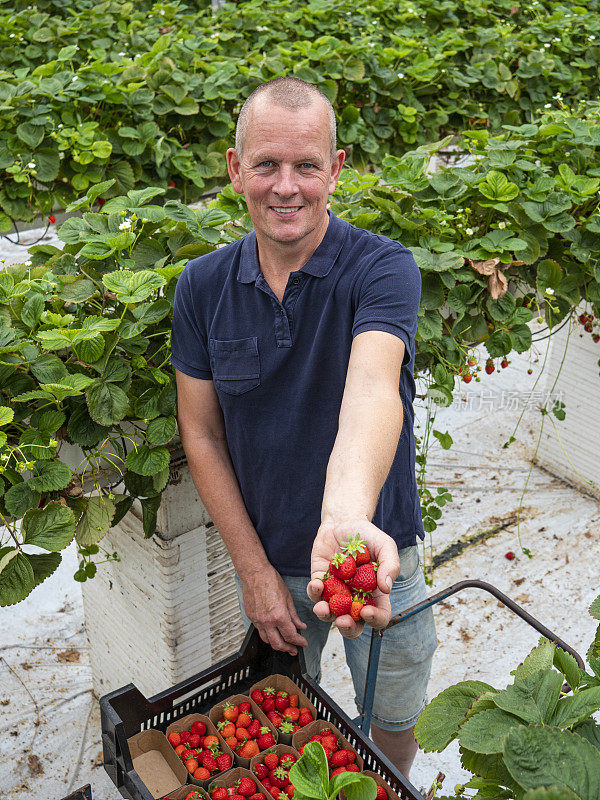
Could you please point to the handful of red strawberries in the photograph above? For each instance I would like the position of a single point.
(349, 582)
(282, 709)
(244, 734)
(339, 759)
(201, 754)
(274, 774)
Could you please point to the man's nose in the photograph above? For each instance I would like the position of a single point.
(285, 183)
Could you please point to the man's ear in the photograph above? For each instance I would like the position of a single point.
(336, 168)
(233, 168)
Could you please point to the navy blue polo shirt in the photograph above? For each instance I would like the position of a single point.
(279, 370)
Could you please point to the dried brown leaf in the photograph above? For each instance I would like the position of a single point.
(69, 656)
(497, 285)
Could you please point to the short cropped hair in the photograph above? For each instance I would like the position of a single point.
(287, 92)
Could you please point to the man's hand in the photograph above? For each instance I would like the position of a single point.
(382, 548)
(269, 606)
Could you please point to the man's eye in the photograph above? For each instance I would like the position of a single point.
(265, 163)
(307, 165)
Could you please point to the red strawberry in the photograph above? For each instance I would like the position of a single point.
(338, 771)
(279, 777)
(244, 707)
(220, 793)
(510, 555)
(351, 756)
(489, 368)
(236, 796)
(208, 761)
(281, 701)
(357, 548)
(246, 786)
(316, 737)
(329, 741)
(369, 600)
(254, 729)
(504, 363)
(275, 718)
(381, 793)
(333, 586)
(258, 696)
(339, 758)
(268, 704)
(271, 761)
(257, 796)
(51, 218)
(194, 740)
(288, 727)
(343, 566)
(266, 782)
(223, 762)
(355, 609)
(304, 719)
(261, 770)
(171, 184)
(352, 768)
(288, 760)
(289, 789)
(266, 739)
(340, 604)
(365, 579)
(199, 728)
(184, 736)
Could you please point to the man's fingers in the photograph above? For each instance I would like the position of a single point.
(322, 611)
(294, 616)
(389, 565)
(376, 617)
(315, 589)
(348, 627)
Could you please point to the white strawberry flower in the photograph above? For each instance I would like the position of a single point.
(549, 290)
(31, 165)
(502, 225)
(125, 225)
(548, 105)
(469, 231)
(400, 75)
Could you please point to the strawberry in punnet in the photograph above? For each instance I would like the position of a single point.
(248, 749)
(340, 604)
(381, 793)
(352, 768)
(275, 718)
(265, 739)
(258, 697)
(198, 728)
(246, 787)
(268, 703)
(223, 762)
(287, 760)
(219, 794)
(288, 728)
(254, 729)
(339, 758)
(231, 712)
(279, 777)
(365, 579)
(281, 701)
(294, 700)
(304, 718)
(271, 761)
(257, 796)
(174, 738)
(245, 707)
(261, 771)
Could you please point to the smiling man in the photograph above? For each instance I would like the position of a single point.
(294, 351)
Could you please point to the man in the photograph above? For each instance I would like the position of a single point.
(290, 347)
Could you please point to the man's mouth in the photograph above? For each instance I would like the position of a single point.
(286, 209)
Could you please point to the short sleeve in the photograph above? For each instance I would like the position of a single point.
(389, 299)
(189, 353)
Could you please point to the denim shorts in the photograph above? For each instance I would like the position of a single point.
(406, 652)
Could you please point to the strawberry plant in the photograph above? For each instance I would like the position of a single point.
(528, 736)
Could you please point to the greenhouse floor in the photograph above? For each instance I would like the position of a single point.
(50, 726)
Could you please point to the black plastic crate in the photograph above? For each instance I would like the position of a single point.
(85, 793)
(126, 711)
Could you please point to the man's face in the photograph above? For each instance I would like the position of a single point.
(286, 171)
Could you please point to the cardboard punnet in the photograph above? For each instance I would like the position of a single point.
(183, 791)
(185, 723)
(280, 749)
(283, 683)
(155, 762)
(216, 714)
(231, 776)
(303, 736)
(392, 795)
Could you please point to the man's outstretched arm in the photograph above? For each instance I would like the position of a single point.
(267, 600)
(370, 424)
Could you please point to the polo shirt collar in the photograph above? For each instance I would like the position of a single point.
(319, 264)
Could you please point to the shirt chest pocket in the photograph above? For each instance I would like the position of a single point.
(235, 364)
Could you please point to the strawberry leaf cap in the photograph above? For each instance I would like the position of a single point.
(354, 544)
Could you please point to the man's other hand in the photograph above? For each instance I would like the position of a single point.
(382, 548)
(269, 606)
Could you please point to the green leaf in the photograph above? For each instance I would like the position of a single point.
(20, 498)
(50, 476)
(83, 430)
(147, 460)
(590, 731)
(95, 521)
(444, 439)
(78, 291)
(107, 403)
(355, 786)
(150, 506)
(48, 368)
(440, 720)
(161, 430)
(488, 766)
(485, 732)
(569, 667)
(532, 698)
(549, 793)
(497, 187)
(310, 774)
(43, 565)
(51, 527)
(16, 576)
(6, 415)
(541, 756)
(576, 708)
(436, 262)
(520, 337)
(549, 275)
(541, 657)
(595, 608)
(133, 287)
